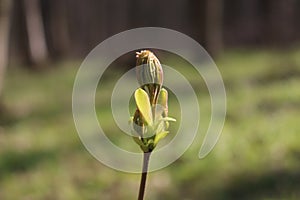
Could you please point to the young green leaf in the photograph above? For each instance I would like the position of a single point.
(163, 101)
(168, 119)
(143, 104)
(160, 136)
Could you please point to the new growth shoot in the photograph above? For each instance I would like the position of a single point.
(150, 121)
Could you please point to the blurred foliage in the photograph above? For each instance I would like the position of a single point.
(257, 156)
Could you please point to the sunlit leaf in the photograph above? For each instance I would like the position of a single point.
(143, 104)
(160, 136)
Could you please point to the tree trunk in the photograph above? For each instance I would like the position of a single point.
(282, 22)
(35, 29)
(56, 27)
(213, 24)
(5, 8)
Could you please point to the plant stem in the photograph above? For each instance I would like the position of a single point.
(144, 175)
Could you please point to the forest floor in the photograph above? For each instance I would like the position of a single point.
(256, 157)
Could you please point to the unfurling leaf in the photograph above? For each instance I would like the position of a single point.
(143, 104)
(163, 101)
(160, 136)
(168, 119)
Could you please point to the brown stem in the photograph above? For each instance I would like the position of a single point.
(144, 175)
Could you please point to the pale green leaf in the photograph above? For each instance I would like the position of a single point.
(143, 104)
(163, 97)
(168, 119)
(160, 136)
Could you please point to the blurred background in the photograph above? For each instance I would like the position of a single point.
(256, 45)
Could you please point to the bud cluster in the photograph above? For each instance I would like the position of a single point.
(150, 120)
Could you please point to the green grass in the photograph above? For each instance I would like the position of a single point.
(257, 156)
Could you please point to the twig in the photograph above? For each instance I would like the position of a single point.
(144, 175)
